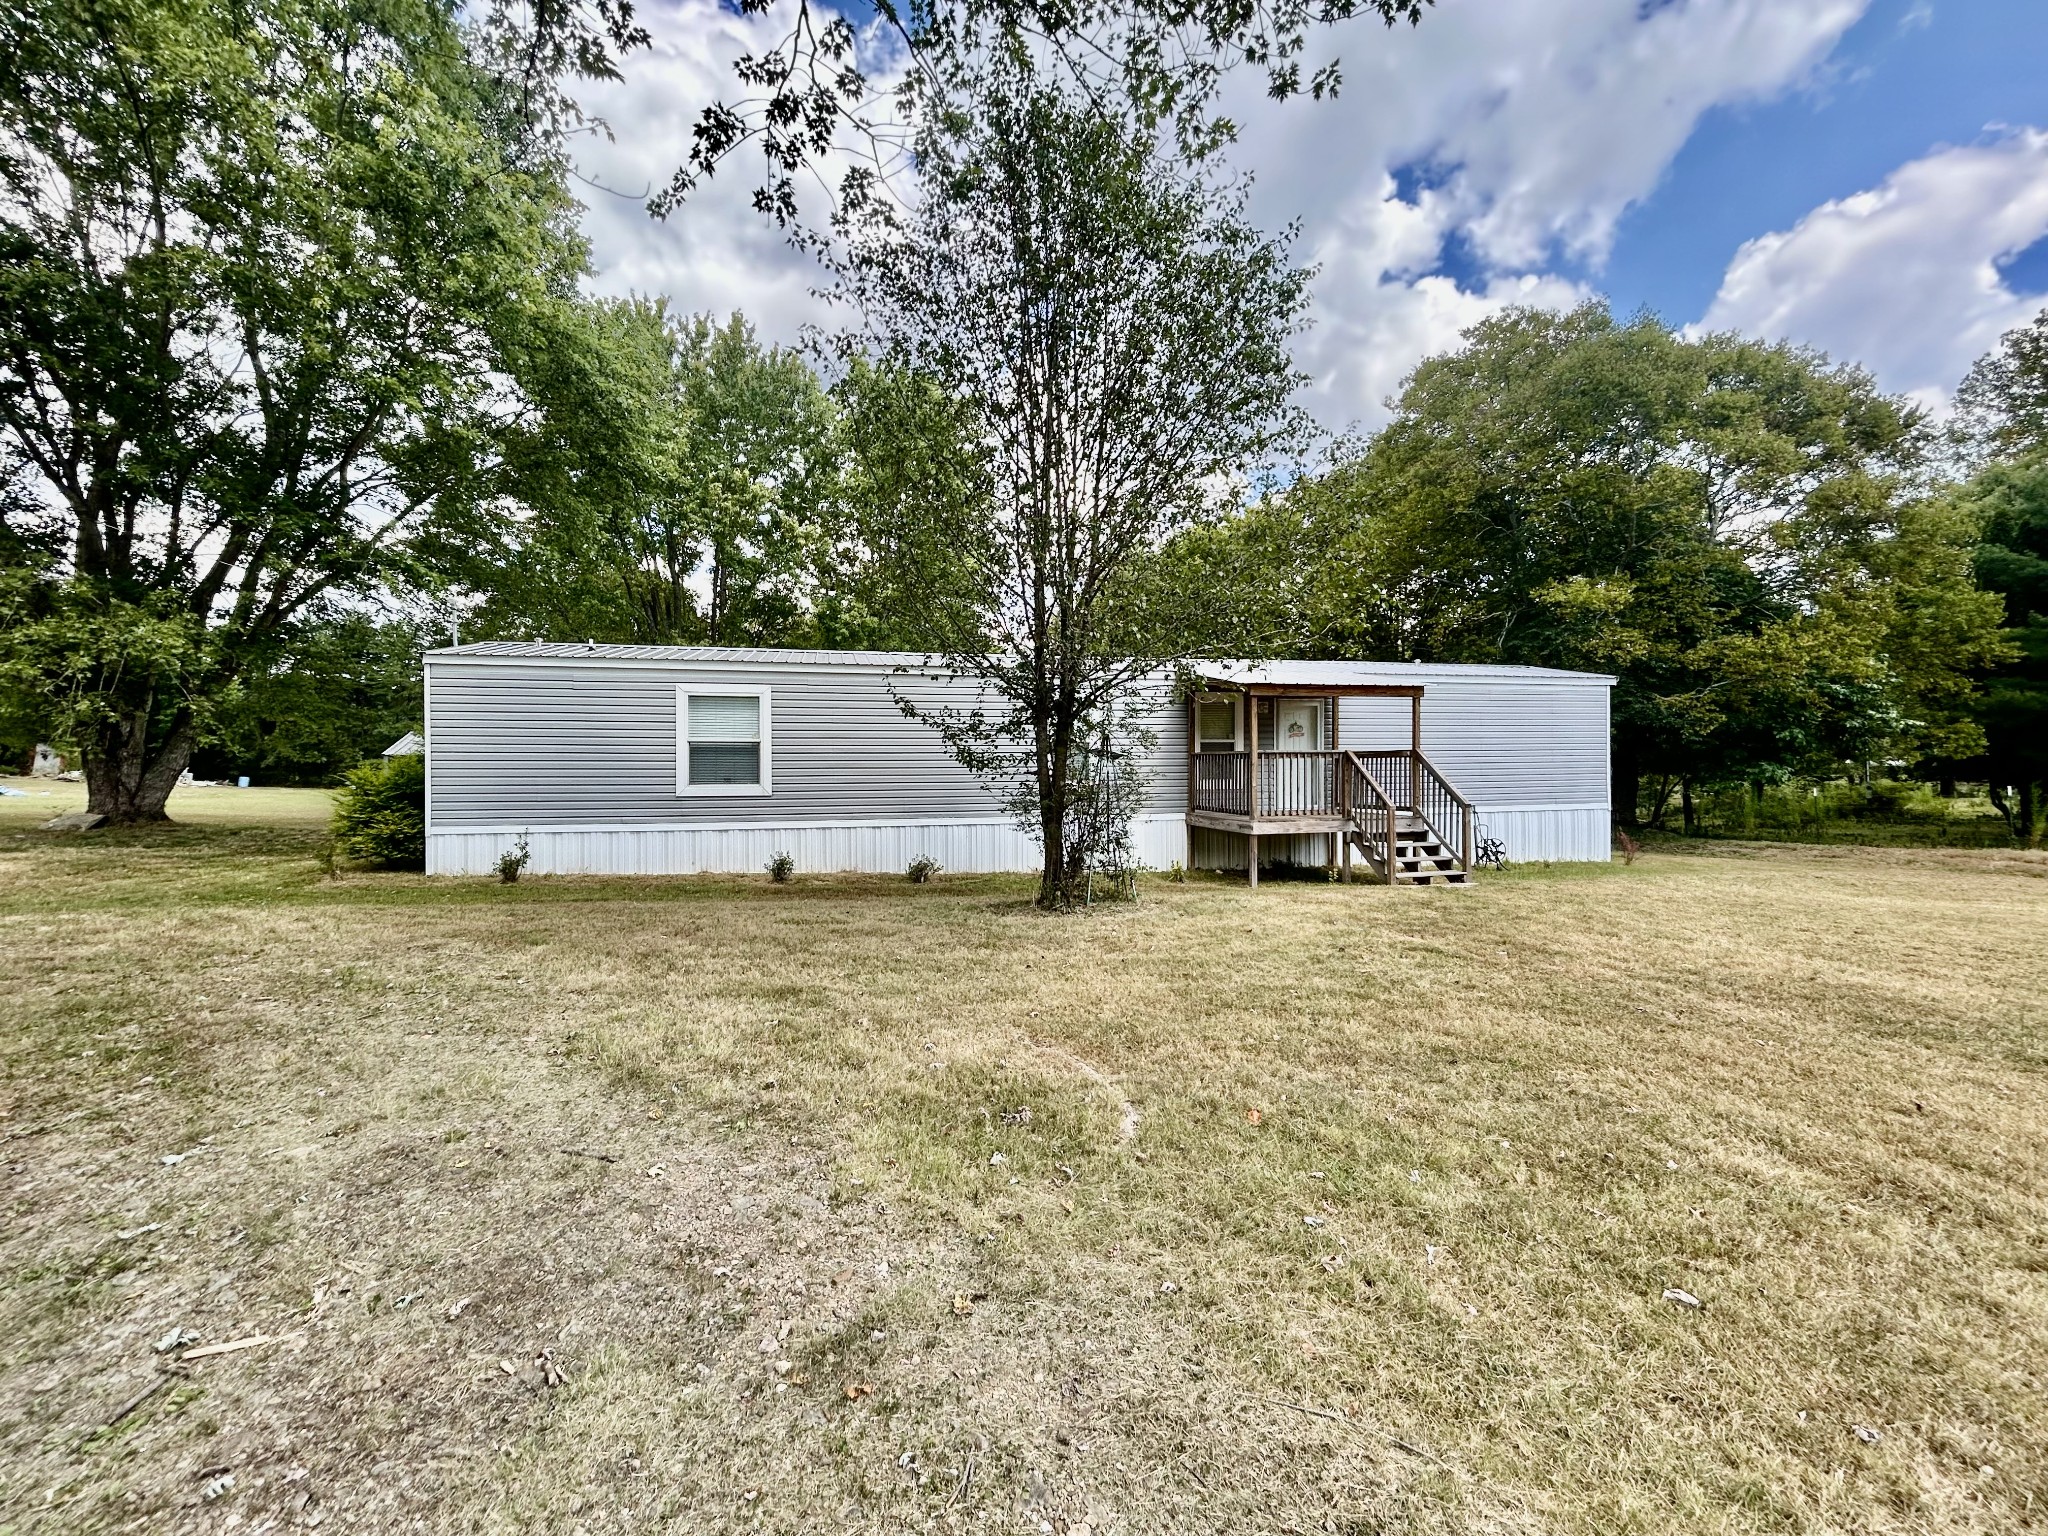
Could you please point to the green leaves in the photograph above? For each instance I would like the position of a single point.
(252, 265)
(673, 480)
(1739, 531)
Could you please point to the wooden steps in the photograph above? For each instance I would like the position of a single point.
(1420, 857)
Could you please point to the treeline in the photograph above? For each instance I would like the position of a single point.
(1787, 571)
(293, 342)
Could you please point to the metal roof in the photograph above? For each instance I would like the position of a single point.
(1279, 674)
(556, 651)
(1338, 674)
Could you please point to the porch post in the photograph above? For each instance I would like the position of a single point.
(1415, 750)
(1251, 747)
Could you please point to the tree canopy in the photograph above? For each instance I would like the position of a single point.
(1739, 532)
(659, 479)
(2004, 408)
(252, 262)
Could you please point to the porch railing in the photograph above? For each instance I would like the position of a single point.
(1222, 782)
(1393, 771)
(1290, 783)
(1372, 810)
(1448, 813)
(1298, 784)
(1363, 787)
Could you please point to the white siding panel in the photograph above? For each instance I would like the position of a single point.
(964, 847)
(1531, 835)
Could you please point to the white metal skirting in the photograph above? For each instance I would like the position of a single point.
(1540, 834)
(964, 847)
(1532, 834)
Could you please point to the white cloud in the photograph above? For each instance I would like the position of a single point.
(1542, 121)
(715, 253)
(1903, 278)
(1538, 124)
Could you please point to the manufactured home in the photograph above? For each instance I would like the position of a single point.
(643, 759)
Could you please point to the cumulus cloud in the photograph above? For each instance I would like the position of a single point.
(1905, 278)
(1469, 157)
(1463, 162)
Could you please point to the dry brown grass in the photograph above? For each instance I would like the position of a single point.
(1803, 1085)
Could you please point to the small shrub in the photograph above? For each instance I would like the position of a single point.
(380, 815)
(922, 868)
(781, 869)
(513, 860)
(329, 858)
(1177, 873)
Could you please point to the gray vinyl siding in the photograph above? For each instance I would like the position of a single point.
(555, 741)
(1503, 740)
(533, 737)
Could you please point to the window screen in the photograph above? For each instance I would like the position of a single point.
(725, 739)
(1216, 724)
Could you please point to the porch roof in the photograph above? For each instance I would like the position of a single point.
(1399, 678)
(1321, 678)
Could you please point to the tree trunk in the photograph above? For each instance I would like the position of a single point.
(1663, 801)
(1692, 814)
(125, 780)
(1947, 789)
(1052, 876)
(1628, 784)
(2026, 816)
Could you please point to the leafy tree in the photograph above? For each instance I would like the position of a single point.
(666, 481)
(913, 471)
(1116, 340)
(342, 688)
(2003, 407)
(1161, 62)
(2009, 502)
(2002, 403)
(1736, 530)
(250, 254)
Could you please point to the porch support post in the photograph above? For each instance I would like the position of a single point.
(1251, 747)
(1415, 750)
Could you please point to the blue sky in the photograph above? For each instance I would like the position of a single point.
(1908, 76)
(1867, 177)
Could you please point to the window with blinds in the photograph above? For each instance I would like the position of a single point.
(1215, 724)
(725, 742)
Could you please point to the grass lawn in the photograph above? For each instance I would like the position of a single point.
(612, 1205)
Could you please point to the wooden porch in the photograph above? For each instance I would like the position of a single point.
(1392, 808)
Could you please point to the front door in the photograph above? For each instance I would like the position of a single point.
(1299, 786)
(1298, 725)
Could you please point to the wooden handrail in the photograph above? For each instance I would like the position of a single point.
(1440, 805)
(1449, 788)
(1379, 805)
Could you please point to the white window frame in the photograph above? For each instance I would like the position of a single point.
(1234, 700)
(683, 784)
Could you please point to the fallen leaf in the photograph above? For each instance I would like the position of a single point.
(1253, 1117)
(856, 1390)
(1683, 1298)
(961, 1305)
(1866, 1434)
